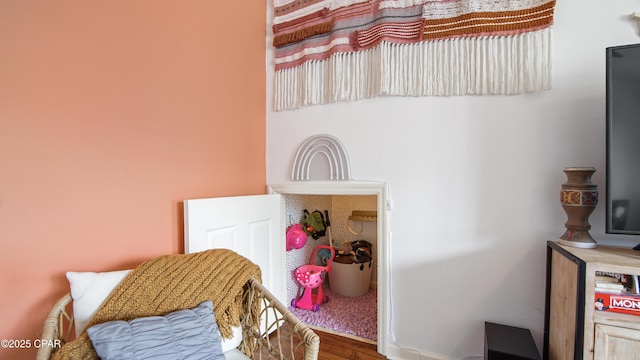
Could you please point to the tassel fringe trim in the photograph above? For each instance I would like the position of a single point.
(502, 65)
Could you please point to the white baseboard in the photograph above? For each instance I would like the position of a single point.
(394, 352)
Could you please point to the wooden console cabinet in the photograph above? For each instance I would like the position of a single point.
(573, 328)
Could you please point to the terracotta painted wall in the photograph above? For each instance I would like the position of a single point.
(112, 113)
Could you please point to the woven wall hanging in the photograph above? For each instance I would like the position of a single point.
(342, 50)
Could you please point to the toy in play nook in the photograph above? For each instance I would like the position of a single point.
(314, 223)
(296, 237)
(311, 277)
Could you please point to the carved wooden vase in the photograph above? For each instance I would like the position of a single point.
(579, 197)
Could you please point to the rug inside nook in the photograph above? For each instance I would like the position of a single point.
(355, 316)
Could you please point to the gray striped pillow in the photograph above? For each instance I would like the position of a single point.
(190, 334)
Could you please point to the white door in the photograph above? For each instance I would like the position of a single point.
(252, 226)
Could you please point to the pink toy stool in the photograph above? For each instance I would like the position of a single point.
(311, 277)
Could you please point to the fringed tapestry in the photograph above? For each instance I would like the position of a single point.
(342, 50)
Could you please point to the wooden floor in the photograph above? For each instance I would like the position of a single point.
(333, 346)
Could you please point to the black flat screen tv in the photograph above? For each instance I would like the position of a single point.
(623, 139)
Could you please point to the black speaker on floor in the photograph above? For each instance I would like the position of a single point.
(504, 342)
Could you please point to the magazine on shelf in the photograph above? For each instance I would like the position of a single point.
(614, 281)
(606, 285)
(617, 278)
(610, 291)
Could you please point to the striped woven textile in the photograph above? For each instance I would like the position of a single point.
(343, 50)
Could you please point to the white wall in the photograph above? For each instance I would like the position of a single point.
(475, 182)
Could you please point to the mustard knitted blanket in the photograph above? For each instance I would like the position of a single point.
(173, 282)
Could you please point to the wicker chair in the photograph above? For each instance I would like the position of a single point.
(280, 335)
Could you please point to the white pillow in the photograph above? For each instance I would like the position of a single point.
(235, 341)
(90, 289)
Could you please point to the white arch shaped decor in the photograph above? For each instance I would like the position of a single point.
(327, 145)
